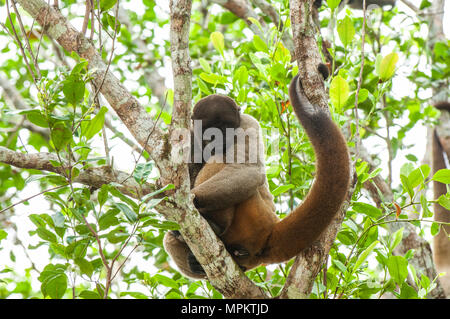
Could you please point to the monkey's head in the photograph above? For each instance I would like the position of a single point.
(217, 111)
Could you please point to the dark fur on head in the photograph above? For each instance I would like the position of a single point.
(217, 111)
(443, 106)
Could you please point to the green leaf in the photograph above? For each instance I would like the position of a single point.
(347, 237)
(107, 4)
(346, 31)
(408, 292)
(282, 189)
(363, 256)
(443, 176)
(73, 89)
(339, 92)
(55, 286)
(367, 209)
(46, 235)
(205, 65)
(129, 213)
(95, 125)
(37, 118)
(113, 191)
(117, 235)
(3, 234)
(218, 41)
(203, 87)
(425, 210)
(418, 176)
(54, 281)
(340, 265)
(241, 75)
(61, 135)
(82, 229)
(396, 239)
(398, 268)
(333, 4)
(258, 64)
(108, 219)
(80, 68)
(213, 78)
(259, 44)
(435, 227)
(142, 172)
(102, 195)
(166, 281)
(387, 66)
(444, 201)
(406, 186)
(85, 266)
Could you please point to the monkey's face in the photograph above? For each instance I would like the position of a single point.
(217, 111)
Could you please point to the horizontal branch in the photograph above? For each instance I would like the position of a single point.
(92, 176)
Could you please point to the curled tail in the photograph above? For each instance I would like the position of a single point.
(305, 224)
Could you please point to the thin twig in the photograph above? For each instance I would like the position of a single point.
(31, 197)
(87, 13)
(27, 42)
(363, 41)
(19, 43)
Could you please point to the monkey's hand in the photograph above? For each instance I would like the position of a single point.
(232, 185)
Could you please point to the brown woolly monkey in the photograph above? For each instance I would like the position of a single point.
(236, 198)
(441, 242)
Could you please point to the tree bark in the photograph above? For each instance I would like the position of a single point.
(309, 262)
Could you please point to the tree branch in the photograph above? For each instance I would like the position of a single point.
(222, 271)
(127, 107)
(309, 262)
(423, 259)
(93, 176)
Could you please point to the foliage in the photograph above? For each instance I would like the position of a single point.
(254, 70)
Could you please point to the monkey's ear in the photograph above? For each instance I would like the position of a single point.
(324, 70)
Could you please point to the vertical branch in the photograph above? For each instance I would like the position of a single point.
(363, 41)
(222, 271)
(307, 51)
(181, 62)
(309, 262)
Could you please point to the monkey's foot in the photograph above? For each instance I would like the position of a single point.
(194, 265)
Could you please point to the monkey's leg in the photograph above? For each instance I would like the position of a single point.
(182, 256)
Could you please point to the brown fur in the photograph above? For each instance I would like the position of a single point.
(252, 232)
(441, 242)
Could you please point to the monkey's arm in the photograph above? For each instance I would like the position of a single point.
(230, 186)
